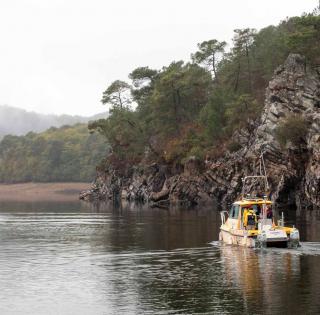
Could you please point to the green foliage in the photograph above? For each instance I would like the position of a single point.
(122, 130)
(305, 39)
(293, 129)
(241, 110)
(58, 154)
(255, 55)
(209, 53)
(167, 101)
(189, 143)
(234, 146)
(269, 50)
(213, 115)
(184, 110)
(117, 94)
(179, 94)
(140, 75)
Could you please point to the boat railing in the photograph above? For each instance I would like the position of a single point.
(254, 199)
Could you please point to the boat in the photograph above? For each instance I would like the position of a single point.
(252, 222)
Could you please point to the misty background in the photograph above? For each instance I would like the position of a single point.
(16, 121)
(59, 56)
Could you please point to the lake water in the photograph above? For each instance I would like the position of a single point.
(76, 258)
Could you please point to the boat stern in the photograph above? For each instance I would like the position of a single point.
(279, 238)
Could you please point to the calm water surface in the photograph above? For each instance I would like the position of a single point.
(75, 258)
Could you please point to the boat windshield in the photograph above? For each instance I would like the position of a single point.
(258, 209)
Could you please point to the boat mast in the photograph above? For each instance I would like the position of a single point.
(263, 175)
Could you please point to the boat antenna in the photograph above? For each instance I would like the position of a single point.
(263, 171)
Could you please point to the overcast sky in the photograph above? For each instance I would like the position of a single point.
(58, 56)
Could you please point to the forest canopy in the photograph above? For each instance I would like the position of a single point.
(192, 108)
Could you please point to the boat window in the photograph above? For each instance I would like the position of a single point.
(231, 212)
(256, 209)
(234, 212)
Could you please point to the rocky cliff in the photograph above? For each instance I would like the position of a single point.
(293, 169)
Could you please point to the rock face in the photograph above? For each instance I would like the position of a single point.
(293, 171)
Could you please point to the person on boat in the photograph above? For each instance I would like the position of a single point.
(249, 218)
(269, 212)
(257, 210)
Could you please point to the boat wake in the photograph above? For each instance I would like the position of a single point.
(306, 248)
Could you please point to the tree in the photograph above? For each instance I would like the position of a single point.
(123, 132)
(143, 79)
(142, 76)
(213, 115)
(241, 110)
(181, 90)
(243, 39)
(268, 51)
(305, 39)
(117, 94)
(209, 54)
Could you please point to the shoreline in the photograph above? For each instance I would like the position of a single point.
(42, 191)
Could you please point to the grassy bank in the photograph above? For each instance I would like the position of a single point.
(41, 191)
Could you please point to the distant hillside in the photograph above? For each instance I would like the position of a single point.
(68, 153)
(16, 121)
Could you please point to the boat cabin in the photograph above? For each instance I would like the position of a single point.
(246, 214)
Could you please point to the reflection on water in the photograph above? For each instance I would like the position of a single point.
(75, 258)
(273, 282)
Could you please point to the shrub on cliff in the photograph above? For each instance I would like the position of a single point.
(292, 130)
(234, 146)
